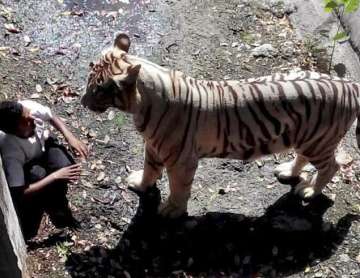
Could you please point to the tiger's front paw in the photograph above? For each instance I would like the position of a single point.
(134, 181)
(170, 209)
(284, 174)
(306, 191)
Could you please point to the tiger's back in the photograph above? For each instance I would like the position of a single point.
(249, 118)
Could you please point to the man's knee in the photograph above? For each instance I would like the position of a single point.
(58, 158)
(34, 173)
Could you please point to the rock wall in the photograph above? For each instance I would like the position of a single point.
(352, 23)
(310, 20)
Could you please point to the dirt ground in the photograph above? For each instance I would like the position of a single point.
(242, 222)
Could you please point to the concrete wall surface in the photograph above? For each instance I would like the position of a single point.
(12, 245)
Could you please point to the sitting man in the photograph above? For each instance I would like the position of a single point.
(37, 168)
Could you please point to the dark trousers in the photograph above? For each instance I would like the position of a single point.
(51, 199)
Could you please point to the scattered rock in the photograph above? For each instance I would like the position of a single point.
(265, 50)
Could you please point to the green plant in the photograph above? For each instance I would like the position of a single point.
(312, 44)
(247, 38)
(63, 249)
(119, 120)
(339, 7)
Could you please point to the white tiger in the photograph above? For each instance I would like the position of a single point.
(183, 119)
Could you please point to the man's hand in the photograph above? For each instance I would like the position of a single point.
(75, 143)
(70, 173)
(79, 146)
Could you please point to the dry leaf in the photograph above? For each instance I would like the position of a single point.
(107, 139)
(15, 52)
(358, 258)
(77, 13)
(126, 220)
(35, 96)
(38, 88)
(11, 28)
(34, 49)
(344, 158)
(66, 13)
(126, 195)
(118, 180)
(111, 115)
(27, 40)
(51, 81)
(87, 184)
(101, 176)
(91, 133)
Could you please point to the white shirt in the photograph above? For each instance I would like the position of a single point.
(23, 150)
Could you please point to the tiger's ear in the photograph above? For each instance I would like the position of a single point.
(122, 41)
(134, 70)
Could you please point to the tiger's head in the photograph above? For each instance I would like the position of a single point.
(112, 79)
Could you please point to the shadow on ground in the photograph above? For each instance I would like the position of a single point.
(285, 240)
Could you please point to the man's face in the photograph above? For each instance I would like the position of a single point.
(26, 126)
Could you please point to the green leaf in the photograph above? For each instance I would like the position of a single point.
(341, 36)
(327, 1)
(351, 5)
(330, 6)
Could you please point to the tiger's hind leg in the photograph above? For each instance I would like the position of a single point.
(289, 172)
(180, 180)
(326, 169)
(142, 179)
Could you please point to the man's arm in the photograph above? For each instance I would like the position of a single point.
(79, 146)
(70, 173)
(44, 113)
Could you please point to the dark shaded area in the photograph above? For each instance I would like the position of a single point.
(340, 69)
(286, 239)
(52, 240)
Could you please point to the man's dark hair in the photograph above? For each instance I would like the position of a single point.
(10, 115)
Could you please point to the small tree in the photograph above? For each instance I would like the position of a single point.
(339, 7)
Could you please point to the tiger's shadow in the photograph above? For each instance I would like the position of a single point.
(285, 240)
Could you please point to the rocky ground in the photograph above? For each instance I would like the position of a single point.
(242, 222)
